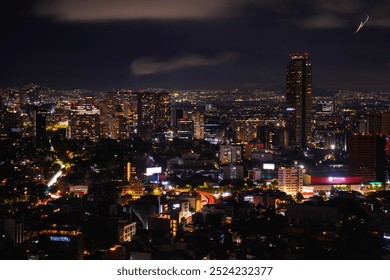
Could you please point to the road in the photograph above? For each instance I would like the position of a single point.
(209, 197)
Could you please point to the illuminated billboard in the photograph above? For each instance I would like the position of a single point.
(347, 180)
(153, 170)
(268, 166)
(59, 238)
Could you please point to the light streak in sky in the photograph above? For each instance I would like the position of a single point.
(362, 24)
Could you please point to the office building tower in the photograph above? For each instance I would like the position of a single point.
(232, 171)
(14, 227)
(299, 100)
(363, 125)
(153, 113)
(385, 129)
(361, 151)
(230, 153)
(266, 135)
(84, 122)
(375, 123)
(212, 125)
(185, 129)
(39, 122)
(61, 242)
(19, 101)
(340, 141)
(367, 156)
(11, 121)
(290, 179)
(198, 119)
(176, 115)
(129, 172)
(118, 115)
(163, 224)
(246, 130)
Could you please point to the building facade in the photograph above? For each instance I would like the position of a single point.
(299, 100)
(154, 114)
(290, 179)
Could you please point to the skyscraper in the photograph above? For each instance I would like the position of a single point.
(299, 99)
(198, 119)
(84, 122)
(40, 126)
(367, 156)
(153, 113)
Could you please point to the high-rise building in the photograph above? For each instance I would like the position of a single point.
(375, 123)
(232, 171)
(185, 129)
(363, 125)
(40, 126)
(153, 113)
(385, 123)
(84, 122)
(230, 153)
(246, 130)
(290, 179)
(267, 135)
(362, 153)
(367, 157)
(163, 224)
(299, 99)
(198, 119)
(212, 125)
(14, 227)
(118, 115)
(129, 172)
(177, 114)
(11, 120)
(61, 242)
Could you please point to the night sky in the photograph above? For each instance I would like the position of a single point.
(183, 44)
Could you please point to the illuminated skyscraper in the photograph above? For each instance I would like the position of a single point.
(153, 113)
(118, 115)
(198, 119)
(299, 99)
(84, 122)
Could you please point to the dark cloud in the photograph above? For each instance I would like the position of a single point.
(327, 21)
(103, 10)
(304, 13)
(337, 6)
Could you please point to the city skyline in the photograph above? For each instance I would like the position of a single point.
(195, 130)
(192, 44)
